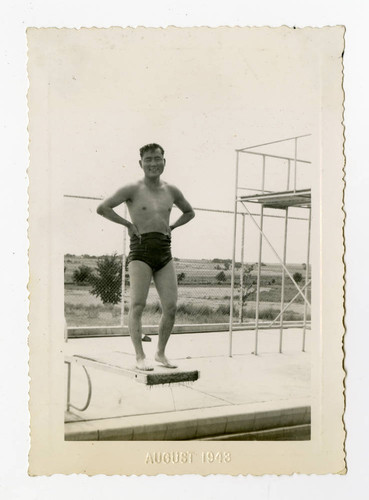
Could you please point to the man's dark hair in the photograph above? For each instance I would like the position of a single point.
(150, 147)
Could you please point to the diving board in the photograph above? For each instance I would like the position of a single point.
(299, 198)
(123, 364)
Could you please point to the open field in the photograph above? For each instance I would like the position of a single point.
(196, 271)
(201, 297)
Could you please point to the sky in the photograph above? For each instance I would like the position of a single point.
(201, 94)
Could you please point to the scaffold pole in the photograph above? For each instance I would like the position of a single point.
(233, 257)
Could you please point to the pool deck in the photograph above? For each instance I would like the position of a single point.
(233, 394)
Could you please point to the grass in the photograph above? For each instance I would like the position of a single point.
(92, 314)
(109, 315)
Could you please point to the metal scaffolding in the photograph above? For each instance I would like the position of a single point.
(277, 200)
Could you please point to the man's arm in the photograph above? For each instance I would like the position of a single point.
(187, 211)
(105, 209)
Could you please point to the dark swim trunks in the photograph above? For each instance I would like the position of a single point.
(153, 249)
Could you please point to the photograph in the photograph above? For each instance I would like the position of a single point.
(185, 197)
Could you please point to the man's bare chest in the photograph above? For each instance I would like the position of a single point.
(152, 202)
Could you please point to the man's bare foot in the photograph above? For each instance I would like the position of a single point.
(141, 364)
(146, 338)
(163, 360)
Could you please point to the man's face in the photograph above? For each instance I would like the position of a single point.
(153, 163)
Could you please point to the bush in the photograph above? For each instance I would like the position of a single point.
(82, 275)
(107, 283)
(180, 277)
(220, 277)
(297, 277)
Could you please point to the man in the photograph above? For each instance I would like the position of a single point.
(149, 202)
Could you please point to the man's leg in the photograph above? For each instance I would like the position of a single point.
(140, 277)
(166, 284)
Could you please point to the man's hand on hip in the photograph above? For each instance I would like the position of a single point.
(133, 231)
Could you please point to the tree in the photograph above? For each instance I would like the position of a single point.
(247, 287)
(181, 277)
(82, 275)
(220, 277)
(107, 282)
(226, 266)
(297, 277)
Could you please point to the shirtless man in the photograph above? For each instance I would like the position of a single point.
(150, 201)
